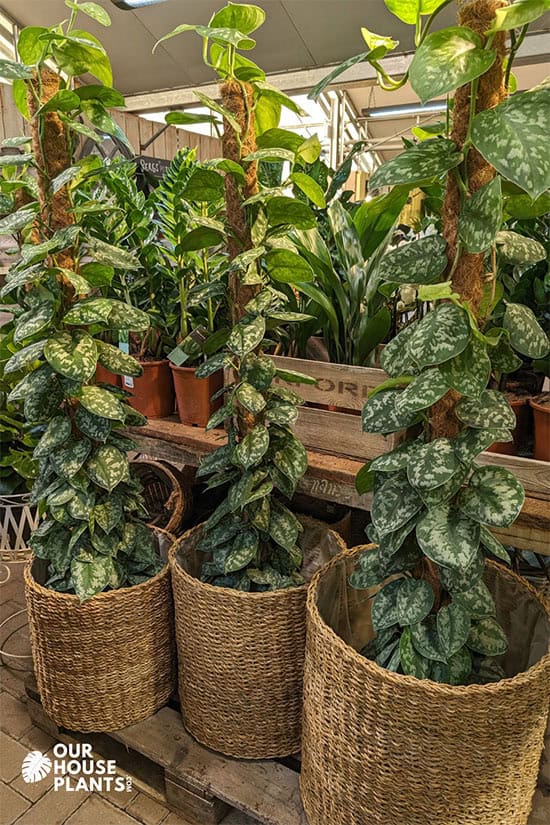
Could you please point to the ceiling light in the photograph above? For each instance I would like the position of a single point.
(135, 4)
(406, 110)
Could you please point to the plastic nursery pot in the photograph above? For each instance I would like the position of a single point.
(541, 415)
(193, 395)
(105, 376)
(153, 391)
(520, 433)
(241, 655)
(388, 749)
(108, 662)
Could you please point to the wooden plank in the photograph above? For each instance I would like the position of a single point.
(131, 128)
(199, 808)
(534, 475)
(171, 137)
(340, 433)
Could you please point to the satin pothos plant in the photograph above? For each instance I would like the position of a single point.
(252, 537)
(433, 505)
(91, 536)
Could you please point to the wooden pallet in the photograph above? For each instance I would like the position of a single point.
(199, 785)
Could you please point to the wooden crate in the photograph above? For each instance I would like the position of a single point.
(339, 433)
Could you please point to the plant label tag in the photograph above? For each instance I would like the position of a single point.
(124, 346)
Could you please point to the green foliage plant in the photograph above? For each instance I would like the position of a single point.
(433, 506)
(92, 536)
(252, 536)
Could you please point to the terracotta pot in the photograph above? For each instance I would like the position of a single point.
(105, 376)
(153, 392)
(520, 433)
(194, 395)
(541, 415)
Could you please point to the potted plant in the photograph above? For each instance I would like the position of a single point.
(452, 681)
(193, 229)
(239, 579)
(98, 592)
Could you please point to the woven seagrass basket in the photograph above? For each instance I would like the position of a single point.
(168, 499)
(241, 655)
(108, 662)
(387, 749)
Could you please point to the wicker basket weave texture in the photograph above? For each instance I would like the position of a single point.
(168, 499)
(386, 749)
(108, 662)
(241, 658)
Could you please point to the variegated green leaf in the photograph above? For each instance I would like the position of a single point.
(112, 358)
(390, 543)
(93, 311)
(471, 442)
(439, 336)
(284, 527)
(493, 545)
(24, 357)
(469, 372)
(526, 334)
(91, 576)
(394, 503)
(519, 14)
(243, 550)
(108, 467)
(73, 356)
(448, 537)
(487, 637)
(102, 403)
(368, 571)
(108, 513)
(503, 358)
(290, 457)
(456, 671)
(43, 396)
(448, 59)
(81, 505)
(436, 496)
(68, 460)
(477, 601)
(259, 371)
(384, 606)
(418, 262)
(124, 316)
(415, 599)
(33, 321)
(57, 432)
(423, 392)
(412, 662)
(283, 414)
(513, 137)
(490, 411)
(397, 459)
(453, 627)
(395, 358)
(457, 581)
(94, 426)
(249, 398)
(250, 451)
(420, 162)
(519, 249)
(432, 464)
(426, 641)
(494, 496)
(246, 336)
(381, 414)
(481, 217)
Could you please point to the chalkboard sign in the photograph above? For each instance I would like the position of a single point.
(153, 166)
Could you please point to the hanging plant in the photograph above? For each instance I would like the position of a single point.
(92, 536)
(433, 506)
(252, 535)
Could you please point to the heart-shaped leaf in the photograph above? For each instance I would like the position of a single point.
(415, 599)
(395, 358)
(448, 537)
(423, 392)
(518, 249)
(381, 415)
(57, 432)
(246, 336)
(243, 550)
(394, 503)
(477, 601)
(458, 581)
(282, 210)
(418, 262)
(368, 572)
(493, 545)
(471, 442)
(68, 460)
(108, 467)
(72, 355)
(432, 464)
(425, 640)
(487, 637)
(288, 267)
(412, 662)
(421, 162)
(490, 411)
(24, 357)
(112, 358)
(481, 217)
(439, 336)
(250, 451)
(33, 321)
(384, 606)
(453, 628)
(526, 334)
(494, 496)
(518, 14)
(469, 372)
(102, 403)
(398, 459)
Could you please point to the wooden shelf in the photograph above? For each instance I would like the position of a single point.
(329, 477)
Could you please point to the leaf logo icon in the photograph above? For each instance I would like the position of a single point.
(35, 767)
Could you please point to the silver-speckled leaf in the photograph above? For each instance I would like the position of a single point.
(124, 316)
(415, 599)
(91, 577)
(412, 662)
(420, 162)
(503, 358)
(102, 403)
(425, 639)
(94, 426)
(93, 311)
(384, 606)
(423, 392)
(33, 321)
(513, 137)
(249, 398)
(437, 496)
(368, 571)
(457, 581)
(456, 671)
(284, 527)
(481, 217)
(448, 537)
(493, 545)
(477, 601)
(471, 442)
(440, 335)
(394, 503)
(493, 496)
(246, 336)
(290, 458)
(390, 543)
(418, 262)
(469, 372)
(24, 357)
(243, 550)
(397, 459)
(519, 249)
(68, 460)
(72, 355)
(81, 505)
(448, 59)
(108, 513)
(250, 451)
(108, 467)
(395, 358)
(432, 464)
(112, 358)
(526, 334)
(487, 637)
(381, 414)
(490, 411)
(57, 432)
(453, 627)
